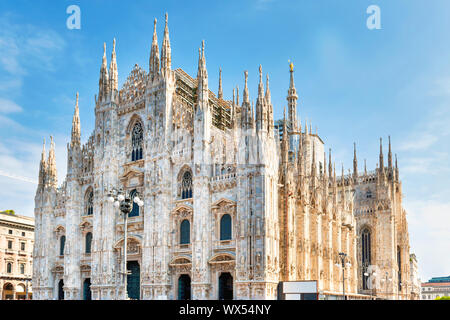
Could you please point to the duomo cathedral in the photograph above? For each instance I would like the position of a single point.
(233, 202)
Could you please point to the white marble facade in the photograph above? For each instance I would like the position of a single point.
(195, 156)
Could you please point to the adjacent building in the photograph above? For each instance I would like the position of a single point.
(234, 202)
(436, 288)
(16, 249)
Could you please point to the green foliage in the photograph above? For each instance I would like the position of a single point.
(443, 298)
(11, 212)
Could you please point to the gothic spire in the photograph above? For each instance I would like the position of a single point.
(284, 141)
(220, 92)
(42, 166)
(269, 107)
(202, 74)
(330, 169)
(166, 52)
(355, 162)
(237, 95)
(154, 53)
(51, 165)
(113, 74)
(381, 155)
(104, 80)
(245, 98)
(260, 103)
(76, 127)
(390, 155)
(292, 100)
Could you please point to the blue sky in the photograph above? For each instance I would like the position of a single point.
(354, 84)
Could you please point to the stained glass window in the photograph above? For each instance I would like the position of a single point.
(225, 227)
(62, 243)
(137, 137)
(365, 252)
(185, 230)
(89, 209)
(88, 242)
(186, 185)
(135, 211)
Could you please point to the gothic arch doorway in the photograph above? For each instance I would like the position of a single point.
(61, 289)
(87, 289)
(134, 280)
(225, 286)
(184, 287)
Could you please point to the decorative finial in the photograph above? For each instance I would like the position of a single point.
(104, 48)
(114, 44)
(291, 66)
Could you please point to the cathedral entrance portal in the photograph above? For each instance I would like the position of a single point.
(134, 280)
(87, 289)
(184, 287)
(61, 289)
(225, 286)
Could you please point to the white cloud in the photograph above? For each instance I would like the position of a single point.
(9, 106)
(20, 158)
(24, 47)
(429, 223)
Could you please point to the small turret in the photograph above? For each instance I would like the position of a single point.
(154, 54)
(166, 52)
(292, 100)
(103, 83)
(355, 164)
(220, 92)
(76, 127)
(52, 177)
(390, 155)
(113, 73)
(260, 105)
(42, 168)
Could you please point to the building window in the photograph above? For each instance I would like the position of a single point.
(135, 211)
(22, 246)
(9, 267)
(23, 234)
(88, 242)
(9, 244)
(137, 137)
(186, 185)
(225, 227)
(62, 243)
(365, 254)
(89, 203)
(10, 232)
(22, 268)
(185, 232)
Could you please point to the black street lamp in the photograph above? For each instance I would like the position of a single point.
(343, 256)
(124, 201)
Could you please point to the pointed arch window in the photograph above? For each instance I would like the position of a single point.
(135, 211)
(9, 267)
(137, 138)
(225, 227)
(185, 232)
(88, 242)
(62, 243)
(365, 255)
(186, 185)
(89, 203)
